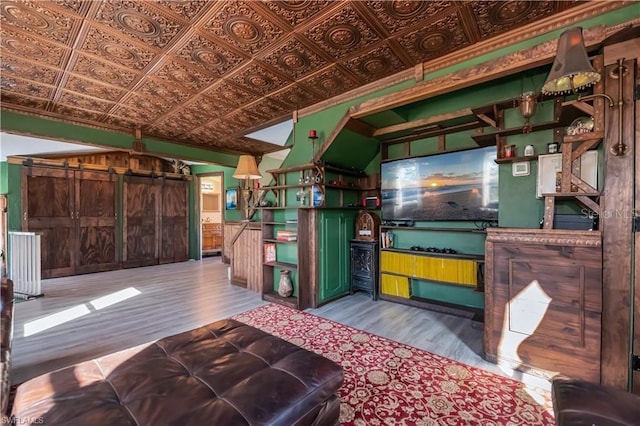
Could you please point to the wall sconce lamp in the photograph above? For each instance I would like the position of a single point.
(247, 170)
(572, 71)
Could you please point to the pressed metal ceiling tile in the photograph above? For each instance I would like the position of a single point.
(138, 19)
(14, 43)
(238, 24)
(205, 72)
(28, 70)
(440, 37)
(295, 59)
(91, 88)
(343, 33)
(378, 62)
(37, 18)
(211, 56)
(109, 47)
(104, 71)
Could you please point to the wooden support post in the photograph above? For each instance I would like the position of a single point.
(615, 224)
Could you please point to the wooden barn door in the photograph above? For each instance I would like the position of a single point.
(48, 208)
(141, 222)
(96, 198)
(174, 244)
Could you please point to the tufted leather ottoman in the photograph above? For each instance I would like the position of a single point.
(577, 402)
(225, 373)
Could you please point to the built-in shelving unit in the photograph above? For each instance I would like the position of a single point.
(281, 248)
(409, 276)
(319, 183)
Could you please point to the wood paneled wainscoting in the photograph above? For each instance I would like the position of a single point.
(243, 249)
(543, 301)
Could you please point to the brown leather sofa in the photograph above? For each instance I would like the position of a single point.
(577, 402)
(225, 373)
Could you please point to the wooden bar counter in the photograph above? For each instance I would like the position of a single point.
(543, 300)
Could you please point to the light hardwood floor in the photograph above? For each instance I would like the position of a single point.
(66, 326)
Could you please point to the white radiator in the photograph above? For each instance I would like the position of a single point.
(24, 264)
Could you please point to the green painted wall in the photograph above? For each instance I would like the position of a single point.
(14, 197)
(4, 178)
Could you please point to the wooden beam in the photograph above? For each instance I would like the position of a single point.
(615, 223)
(360, 127)
(423, 122)
(581, 105)
(431, 133)
(332, 136)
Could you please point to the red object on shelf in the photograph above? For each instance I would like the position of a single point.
(313, 134)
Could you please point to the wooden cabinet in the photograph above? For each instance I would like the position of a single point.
(544, 301)
(318, 257)
(211, 237)
(364, 267)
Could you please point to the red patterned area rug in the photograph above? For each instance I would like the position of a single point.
(387, 382)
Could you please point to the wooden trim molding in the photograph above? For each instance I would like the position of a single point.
(575, 15)
(557, 237)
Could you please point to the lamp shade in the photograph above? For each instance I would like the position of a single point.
(247, 168)
(571, 69)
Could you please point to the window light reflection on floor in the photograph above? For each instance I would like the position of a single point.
(53, 320)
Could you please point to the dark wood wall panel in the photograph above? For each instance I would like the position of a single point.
(96, 200)
(247, 260)
(141, 227)
(543, 299)
(174, 245)
(47, 196)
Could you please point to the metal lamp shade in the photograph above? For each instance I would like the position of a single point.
(247, 168)
(571, 69)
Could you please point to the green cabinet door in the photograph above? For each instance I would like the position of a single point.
(336, 229)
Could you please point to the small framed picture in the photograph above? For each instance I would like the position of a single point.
(520, 169)
(232, 199)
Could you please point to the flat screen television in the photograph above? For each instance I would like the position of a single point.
(456, 185)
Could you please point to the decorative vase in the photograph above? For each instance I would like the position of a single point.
(285, 288)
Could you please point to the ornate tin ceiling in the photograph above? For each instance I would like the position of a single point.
(204, 73)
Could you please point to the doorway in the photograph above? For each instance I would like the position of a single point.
(211, 214)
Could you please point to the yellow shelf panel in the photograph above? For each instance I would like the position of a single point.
(395, 285)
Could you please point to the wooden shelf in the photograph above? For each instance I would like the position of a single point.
(488, 139)
(287, 265)
(478, 257)
(571, 194)
(431, 280)
(280, 223)
(516, 159)
(346, 188)
(583, 137)
(274, 240)
(274, 297)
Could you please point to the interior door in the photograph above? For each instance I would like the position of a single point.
(174, 245)
(336, 230)
(48, 201)
(96, 195)
(141, 221)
